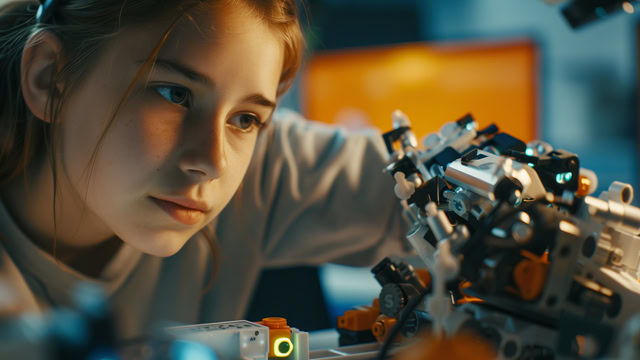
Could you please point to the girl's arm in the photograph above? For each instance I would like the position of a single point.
(316, 194)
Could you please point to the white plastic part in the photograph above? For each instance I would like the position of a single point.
(439, 303)
(620, 192)
(431, 140)
(448, 129)
(300, 345)
(424, 249)
(239, 339)
(438, 222)
(399, 119)
(403, 188)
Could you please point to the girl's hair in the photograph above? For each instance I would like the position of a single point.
(84, 28)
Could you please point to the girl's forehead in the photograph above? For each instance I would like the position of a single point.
(234, 46)
(199, 31)
(208, 36)
(219, 22)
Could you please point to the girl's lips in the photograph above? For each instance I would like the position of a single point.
(184, 215)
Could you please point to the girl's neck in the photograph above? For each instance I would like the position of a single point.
(75, 238)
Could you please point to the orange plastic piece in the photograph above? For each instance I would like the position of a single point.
(361, 318)
(584, 184)
(423, 276)
(530, 275)
(467, 298)
(544, 258)
(382, 326)
(278, 328)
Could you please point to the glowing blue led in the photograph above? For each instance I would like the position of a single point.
(563, 178)
(529, 152)
(189, 350)
(530, 164)
(470, 126)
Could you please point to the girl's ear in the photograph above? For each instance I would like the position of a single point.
(40, 60)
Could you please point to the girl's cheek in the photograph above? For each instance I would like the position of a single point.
(158, 131)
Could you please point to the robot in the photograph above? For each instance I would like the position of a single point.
(519, 252)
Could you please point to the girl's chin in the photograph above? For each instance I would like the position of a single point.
(161, 246)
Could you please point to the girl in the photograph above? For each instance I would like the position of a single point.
(125, 129)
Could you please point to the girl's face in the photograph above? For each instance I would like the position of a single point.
(181, 143)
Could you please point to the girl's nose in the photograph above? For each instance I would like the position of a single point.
(205, 159)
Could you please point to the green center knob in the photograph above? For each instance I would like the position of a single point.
(284, 347)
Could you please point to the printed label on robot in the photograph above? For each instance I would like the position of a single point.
(237, 325)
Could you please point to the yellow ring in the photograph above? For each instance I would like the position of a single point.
(276, 346)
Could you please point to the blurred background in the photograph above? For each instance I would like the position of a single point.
(519, 64)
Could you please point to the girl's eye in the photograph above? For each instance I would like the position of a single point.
(175, 94)
(245, 122)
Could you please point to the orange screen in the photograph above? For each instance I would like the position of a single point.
(432, 84)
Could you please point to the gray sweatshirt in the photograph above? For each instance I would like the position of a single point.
(312, 194)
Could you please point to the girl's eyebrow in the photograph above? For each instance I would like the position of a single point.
(189, 73)
(259, 99)
(184, 70)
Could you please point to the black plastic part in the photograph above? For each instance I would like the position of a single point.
(522, 157)
(348, 337)
(462, 122)
(469, 156)
(431, 239)
(390, 272)
(444, 158)
(508, 189)
(589, 246)
(595, 304)
(386, 272)
(392, 136)
(431, 191)
(405, 166)
(558, 162)
(479, 248)
(394, 297)
(416, 321)
(491, 129)
(581, 12)
(408, 274)
(505, 142)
